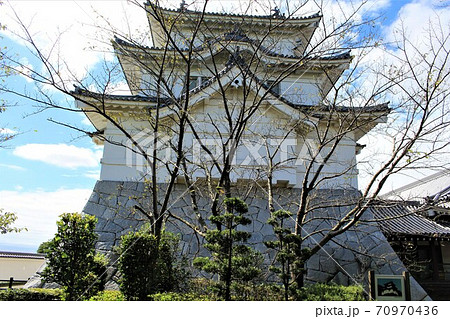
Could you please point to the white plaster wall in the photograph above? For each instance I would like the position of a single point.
(280, 45)
(121, 164)
(19, 268)
(301, 90)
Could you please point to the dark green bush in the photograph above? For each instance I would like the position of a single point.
(30, 294)
(330, 292)
(72, 261)
(171, 265)
(108, 295)
(256, 292)
(275, 292)
(149, 267)
(239, 291)
(173, 296)
(231, 259)
(200, 290)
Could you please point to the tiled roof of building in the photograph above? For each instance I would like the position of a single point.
(235, 59)
(117, 97)
(225, 14)
(383, 107)
(11, 254)
(401, 219)
(232, 36)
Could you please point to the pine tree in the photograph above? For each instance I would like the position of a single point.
(231, 259)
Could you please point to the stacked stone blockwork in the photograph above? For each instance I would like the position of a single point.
(345, 260)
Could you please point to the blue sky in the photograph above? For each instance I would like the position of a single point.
(49, 169)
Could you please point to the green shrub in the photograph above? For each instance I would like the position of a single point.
(108, 295)
(256, 292)
(288, 250)
(172, 267)
(149, 267)
(72, 261)
(173, 296)
(231, 259)
(330, 292)
(275, 292)
(239, 291)
(99, 268)
(138, 253)
(30, 294)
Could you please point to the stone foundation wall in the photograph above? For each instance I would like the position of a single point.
(345, 260)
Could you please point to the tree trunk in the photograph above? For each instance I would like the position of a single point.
(228, 274)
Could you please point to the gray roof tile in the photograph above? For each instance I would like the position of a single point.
(12, 254)
(402, 219)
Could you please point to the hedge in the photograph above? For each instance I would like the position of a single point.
(331, 292)
(34, 294)
(108, 295)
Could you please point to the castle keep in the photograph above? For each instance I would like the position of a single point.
(230, 104)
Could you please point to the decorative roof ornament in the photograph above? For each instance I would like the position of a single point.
(277, 13)
(235, 58)
(183, 5)
(236, 34)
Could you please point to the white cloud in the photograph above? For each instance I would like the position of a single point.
(14, 167)
(415, 17)
(61, 155)
(38, 211)
(93, 174)
(73, 34)
(25, 70)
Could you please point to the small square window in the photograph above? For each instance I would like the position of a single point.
(275, 88)
(194, 81)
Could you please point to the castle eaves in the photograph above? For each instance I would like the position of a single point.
(315, 16)
(146, 49)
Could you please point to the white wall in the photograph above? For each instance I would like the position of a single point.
(19, 268)
(301, 90)
(268, 128)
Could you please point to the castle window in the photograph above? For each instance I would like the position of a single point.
(275, 88)
(194, 81)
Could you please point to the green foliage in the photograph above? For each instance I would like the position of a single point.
(72, 261)
(172, 267)
(256, 292)
(288, 248)
(30, 294)
(99, 269)
(6, 221)
(108, 295)
(44, 247)
(173, 296)
(149, 266)
(275, 292)
(330, 292)
(137, 263)
(230, 258)
(199, 291)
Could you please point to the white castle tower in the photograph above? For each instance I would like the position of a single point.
(229, 103)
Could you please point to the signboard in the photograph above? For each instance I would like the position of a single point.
(389, 287)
